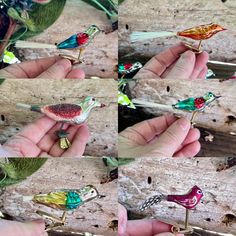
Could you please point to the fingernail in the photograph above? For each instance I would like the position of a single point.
(183, 123)
(66, 64)
(188, 55)
(37, 221)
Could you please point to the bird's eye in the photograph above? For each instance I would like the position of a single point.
(199, 191)
(92, 191)
(93, 99)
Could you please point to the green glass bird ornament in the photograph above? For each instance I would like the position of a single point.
(196, 104)
(65, 200)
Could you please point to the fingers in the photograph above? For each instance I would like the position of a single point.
(76, 74)
(122, 216)
(145, 131)
(184, 66)
(59, 70)
(158, 64)
(203, 73)
(37, 130)
(29, 69)
(189, 150)
(55, 150)
(50, 138)
(200, 64)
(169, 141)
(146, 227)
(9, 228)
(79, 143)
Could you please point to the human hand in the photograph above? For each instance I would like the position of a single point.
(39, 140)
(49, 68)
(164, 136)
(13, 228)
(176, 62)
(141, 227)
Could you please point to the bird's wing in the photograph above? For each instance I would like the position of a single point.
(56, 200)
(187, 104)
(63, 111)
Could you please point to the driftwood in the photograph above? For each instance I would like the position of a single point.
(102, 122)
(147, 177)
(164, 15)
(95, 216)
(100, 56)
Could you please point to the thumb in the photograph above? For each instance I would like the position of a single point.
(12, 228)
(184, 66)
(59, 70)
(169, 141)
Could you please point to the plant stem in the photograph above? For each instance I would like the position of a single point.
(10, 31)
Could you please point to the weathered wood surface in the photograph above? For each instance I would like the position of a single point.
(100, 56)
(102, 122)
(165, 15)
(176, 177)
(66, 174)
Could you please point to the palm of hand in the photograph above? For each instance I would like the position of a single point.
(39, 139)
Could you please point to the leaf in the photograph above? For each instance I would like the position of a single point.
(120, 1)
(42, 17)
(18, 169)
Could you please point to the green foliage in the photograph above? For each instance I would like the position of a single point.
(120, 1)
(15, 170)
(116, 162)
(1, 80)
(41, 17)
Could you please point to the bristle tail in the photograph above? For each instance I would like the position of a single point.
(27, 198)
(24, 106)
(27, 44)
(141, 36)
(141, 103)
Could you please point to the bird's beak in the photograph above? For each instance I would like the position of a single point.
(102, 105)
(101, 196)
(218, 97)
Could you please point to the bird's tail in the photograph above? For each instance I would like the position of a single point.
(141, 36)
(151, 201)
(27, 44)
(27, 198)
(29, 107)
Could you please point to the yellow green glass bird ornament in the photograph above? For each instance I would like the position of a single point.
(65, 200)
(196, 104)
(76, 42)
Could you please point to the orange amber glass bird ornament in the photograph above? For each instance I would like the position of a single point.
(201, 32)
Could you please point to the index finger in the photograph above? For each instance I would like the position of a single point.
(145, 131)
(146, 227)
(159, 63)
(29, 69)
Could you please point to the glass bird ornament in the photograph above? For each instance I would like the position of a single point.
(128, 68)
(199, 33)
(66, 113)
(197, 104)
(75, 42)
(189, 201)
(65, 200)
